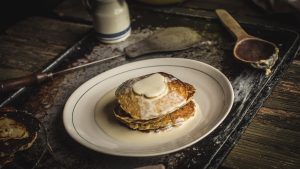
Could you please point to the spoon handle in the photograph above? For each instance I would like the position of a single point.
(11, 84)
(231, 24)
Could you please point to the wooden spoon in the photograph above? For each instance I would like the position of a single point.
(259, 53)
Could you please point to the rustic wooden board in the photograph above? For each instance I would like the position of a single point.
(279, 113)
(242, 7)
(7, 73)
(282, 107)
(34, 42)
(271, 140)
(244, 10)
(31, 44)
(73, 10)
(48, 101)
(286, 95)
(265, 146)
(247, 8)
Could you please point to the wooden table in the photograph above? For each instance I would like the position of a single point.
(270, 141)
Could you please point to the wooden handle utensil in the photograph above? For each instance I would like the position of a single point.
(259, 53)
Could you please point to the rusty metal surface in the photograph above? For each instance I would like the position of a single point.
(48, 100)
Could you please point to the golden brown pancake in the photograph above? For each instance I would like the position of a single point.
(175, 118)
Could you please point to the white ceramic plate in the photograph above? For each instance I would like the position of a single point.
(88, 116)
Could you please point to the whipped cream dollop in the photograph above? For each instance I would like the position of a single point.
(154, 97)
(151, 86)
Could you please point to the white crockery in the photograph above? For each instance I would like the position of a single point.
(88, 116)
(111, 19)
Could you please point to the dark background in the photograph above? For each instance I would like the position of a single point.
(12, 11)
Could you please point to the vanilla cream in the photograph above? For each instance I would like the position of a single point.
(154, 98)
(156, 107)
(151, 86)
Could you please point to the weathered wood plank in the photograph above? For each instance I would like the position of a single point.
(272, 139)
(33, 42)
(51, 31)
(67, 8)
(279, 118)
(7, 73)
(53, 108)
(242, 7)
(253, 146)
(24, 55)
(286, 95)
(73, 9)
(265, 146)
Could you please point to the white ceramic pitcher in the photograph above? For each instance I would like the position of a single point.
(110, 18)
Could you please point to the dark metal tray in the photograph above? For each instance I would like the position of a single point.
(251, 88)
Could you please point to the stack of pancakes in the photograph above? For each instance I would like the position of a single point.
(169, 106)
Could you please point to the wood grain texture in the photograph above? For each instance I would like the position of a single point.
(243, 10)
(67, 10)
(7, 73)
(286, 95)
(242, 7)
(264, 145)
(47, 30)
(278, 118)
(49, 101)
(31, 44)
(271, 141)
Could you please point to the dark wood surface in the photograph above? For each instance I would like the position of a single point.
(271, 140)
